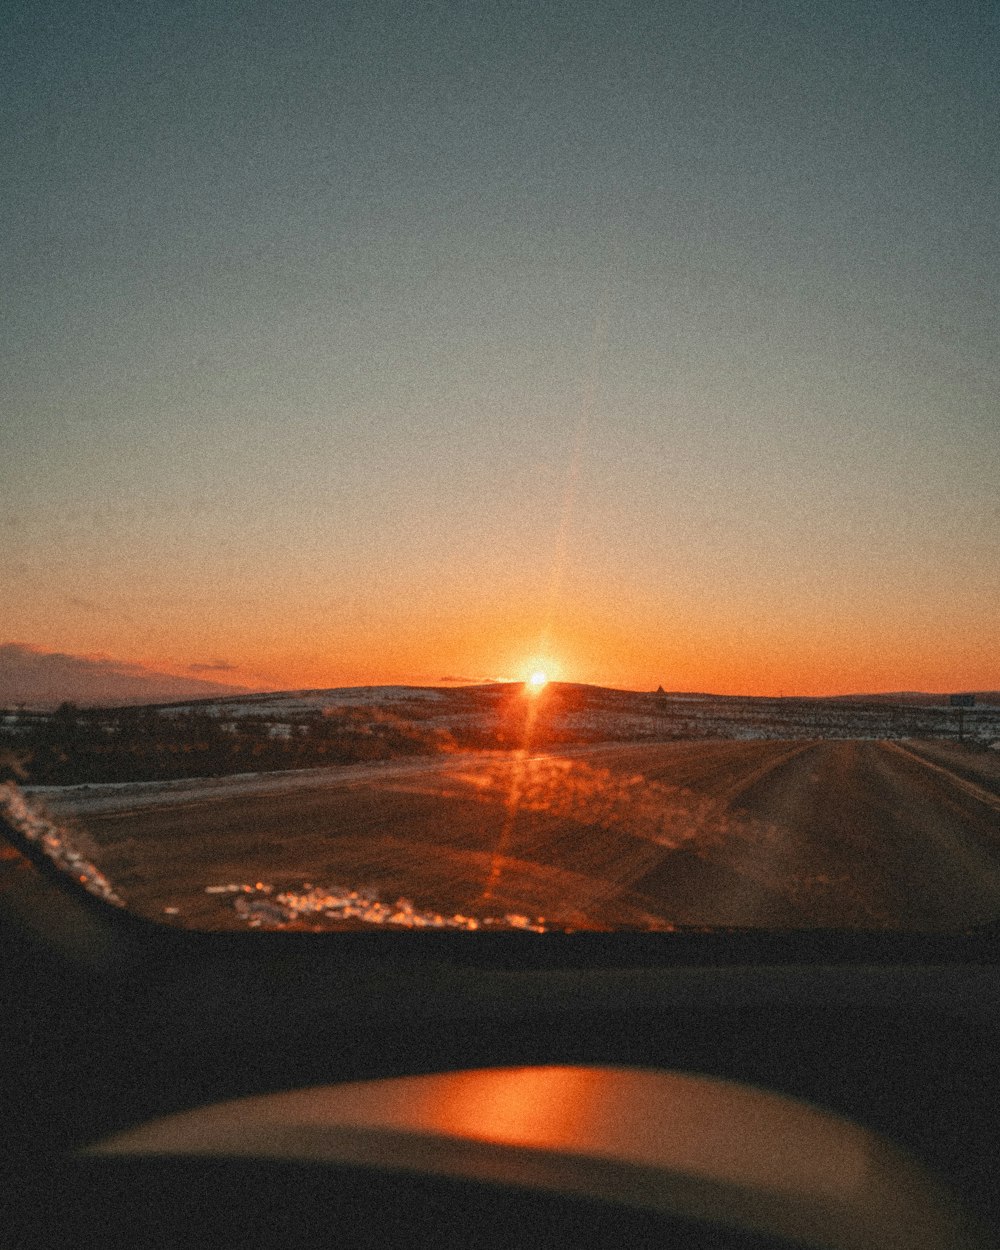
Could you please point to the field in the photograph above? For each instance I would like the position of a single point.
(753, 829)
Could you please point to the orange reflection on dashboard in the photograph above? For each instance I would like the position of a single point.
(540, 1107)
(694, 1126)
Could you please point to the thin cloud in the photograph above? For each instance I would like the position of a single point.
(40, 678)
(214, 666)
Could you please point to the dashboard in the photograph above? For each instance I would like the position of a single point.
(111, 1022)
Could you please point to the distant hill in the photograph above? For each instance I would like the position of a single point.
(918, 698)
(44, 679)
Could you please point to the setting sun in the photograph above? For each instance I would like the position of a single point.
(537, 679)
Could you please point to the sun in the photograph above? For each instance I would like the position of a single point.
(537, 670)
(538, 679)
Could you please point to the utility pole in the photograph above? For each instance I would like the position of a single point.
(960, 702)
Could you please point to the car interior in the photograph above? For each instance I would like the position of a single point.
(716, 1083)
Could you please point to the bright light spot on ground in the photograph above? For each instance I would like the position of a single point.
(537, 680)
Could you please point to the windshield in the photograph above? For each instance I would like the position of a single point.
(491, 466)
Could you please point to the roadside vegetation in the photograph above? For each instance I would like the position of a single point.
(78, 746)
(307, 729)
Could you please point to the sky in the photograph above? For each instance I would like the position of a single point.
(380, 342)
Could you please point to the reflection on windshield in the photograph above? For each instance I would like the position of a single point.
(262, 907)
(56, 839)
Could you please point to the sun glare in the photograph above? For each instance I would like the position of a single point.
(537, 680)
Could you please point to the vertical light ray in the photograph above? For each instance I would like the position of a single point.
(521, 757)
(571, 487)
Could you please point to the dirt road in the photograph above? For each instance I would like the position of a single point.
(814, 833)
